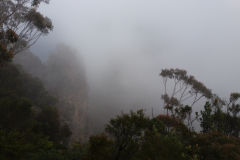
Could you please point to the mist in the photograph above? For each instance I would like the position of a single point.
(125, 44)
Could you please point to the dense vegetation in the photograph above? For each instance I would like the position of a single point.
(29, 122)
(30, 129)
(63, 76)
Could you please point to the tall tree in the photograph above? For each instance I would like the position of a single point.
(222, 116)
(186, 92)
(21, 25)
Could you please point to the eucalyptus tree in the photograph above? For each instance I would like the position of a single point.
(181, 93)
(222, 116)
(21, 25)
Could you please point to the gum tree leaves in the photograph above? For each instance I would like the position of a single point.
(186, 91)
(21, 25)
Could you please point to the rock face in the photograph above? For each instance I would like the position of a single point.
(64, 77)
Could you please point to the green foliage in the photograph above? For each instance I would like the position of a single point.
(78, 151)
(100, 148)
(23, 145)
(127, 130)
(215, 118)
(216, 146)
(29, 123)
(134, 136)
(15, 114)
(30, 128)
(16, 83)
(49, 123)
(20, 26)
(206, 121)
(174, 126)
(158, 146)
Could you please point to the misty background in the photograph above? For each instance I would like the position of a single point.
(125, 44)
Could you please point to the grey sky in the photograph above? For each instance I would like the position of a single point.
(128, 42)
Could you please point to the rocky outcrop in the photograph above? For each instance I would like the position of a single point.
(64, 77)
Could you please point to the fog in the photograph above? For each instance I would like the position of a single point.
(125, 44)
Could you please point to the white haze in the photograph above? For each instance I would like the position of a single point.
(126, 43)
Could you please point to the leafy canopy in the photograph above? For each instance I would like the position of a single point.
(21, 25)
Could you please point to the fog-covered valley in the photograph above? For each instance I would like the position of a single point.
(124, 46)
(119, 80)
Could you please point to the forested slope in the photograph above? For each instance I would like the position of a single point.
(63, 75)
